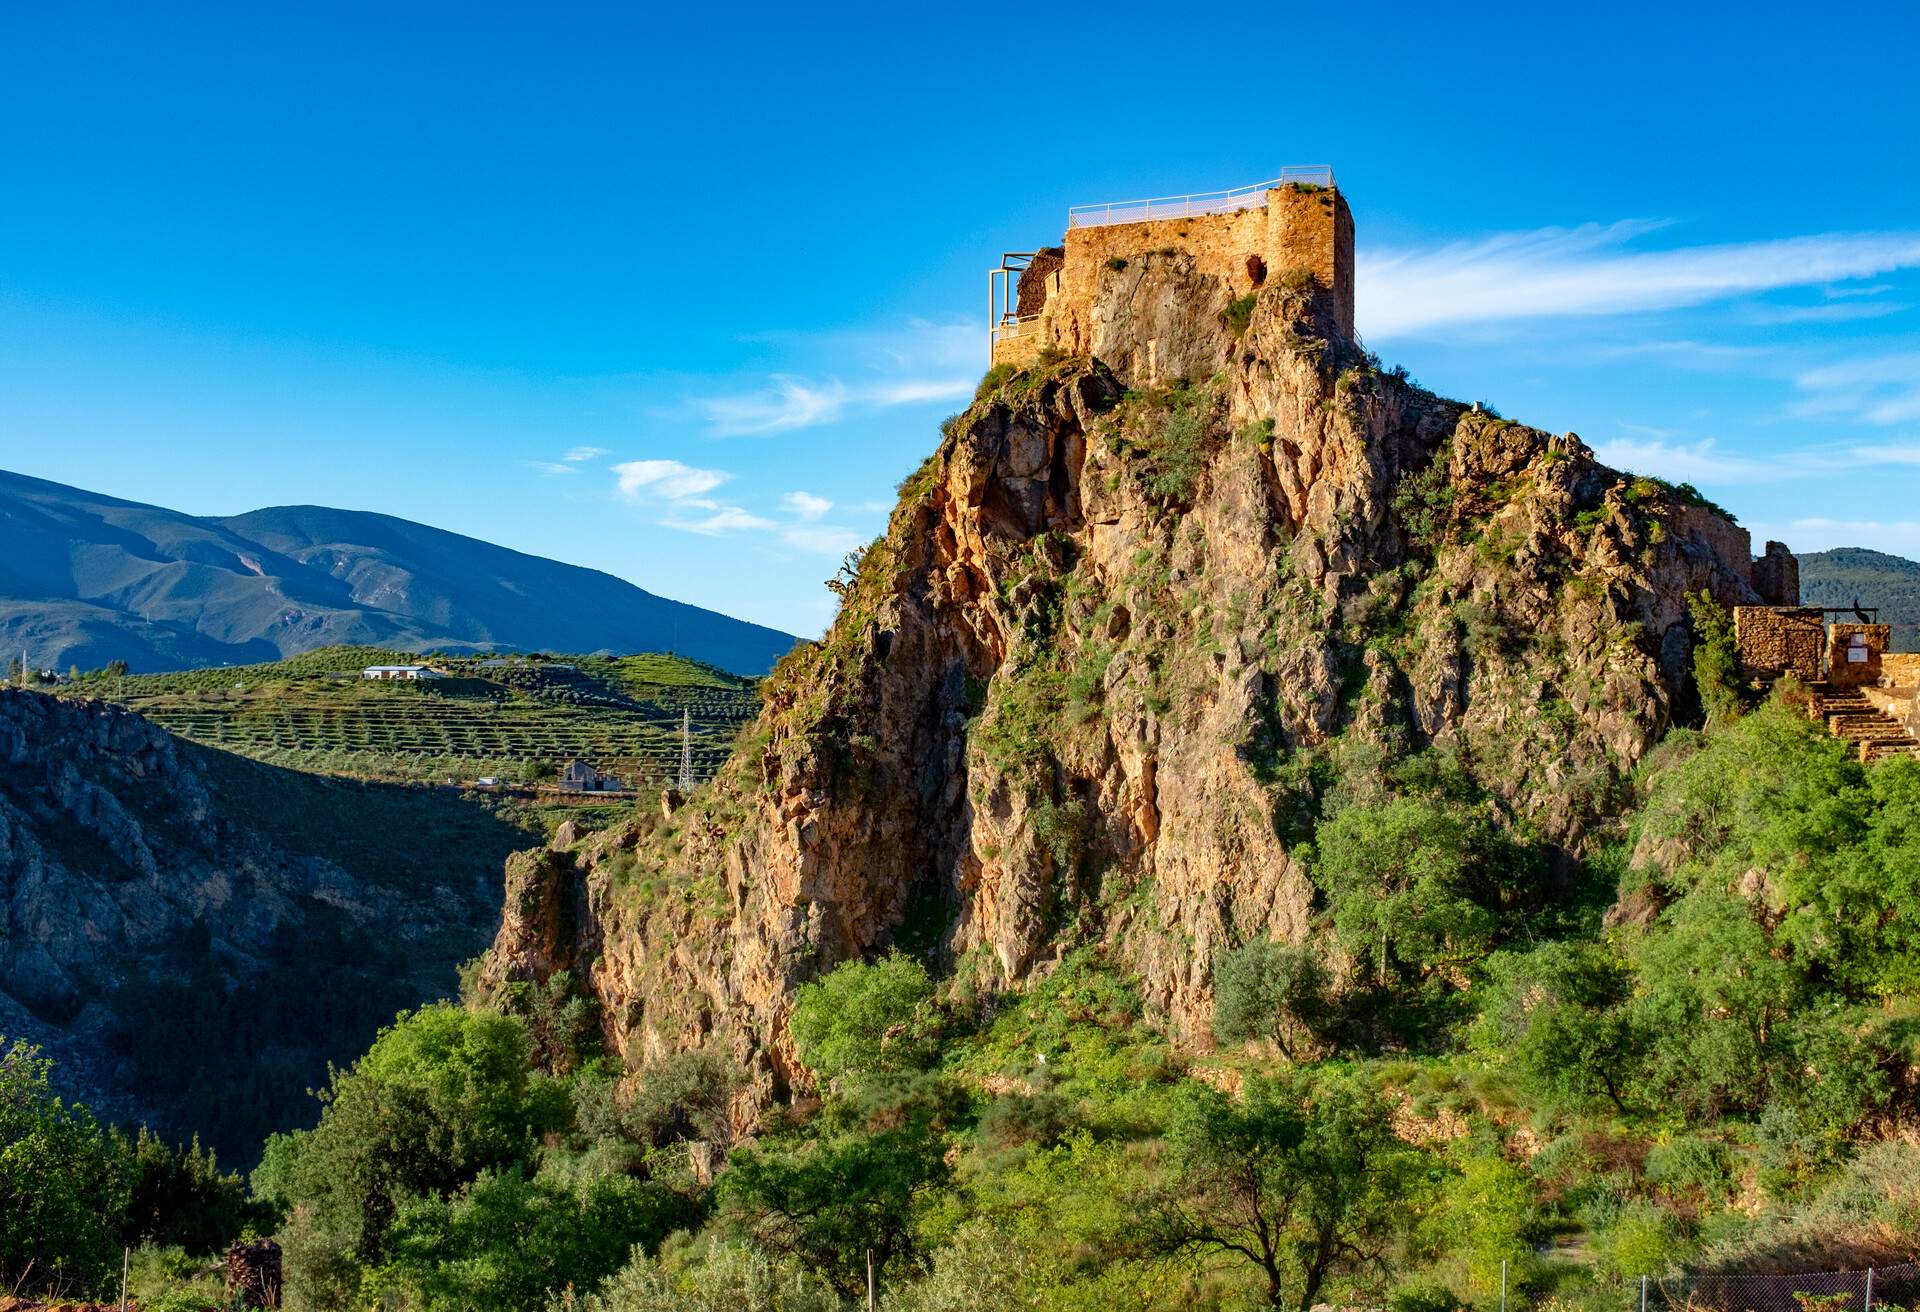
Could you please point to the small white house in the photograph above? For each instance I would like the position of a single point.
(401, 672)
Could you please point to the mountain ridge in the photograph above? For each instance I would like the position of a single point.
(1843, 576)
(92, 578)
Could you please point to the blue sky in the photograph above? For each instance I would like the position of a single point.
(681, 293)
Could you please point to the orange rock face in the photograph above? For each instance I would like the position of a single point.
(1076, 692)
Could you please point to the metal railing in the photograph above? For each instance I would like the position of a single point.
(1014, 326)
(1250, 197)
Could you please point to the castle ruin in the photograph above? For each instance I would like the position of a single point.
(1294, 227)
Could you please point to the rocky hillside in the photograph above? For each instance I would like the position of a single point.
(195, 936)
(1128, 625)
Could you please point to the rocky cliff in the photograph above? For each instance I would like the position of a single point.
(195, 936)
(1125, 625)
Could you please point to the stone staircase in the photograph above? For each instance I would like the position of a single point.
(1849, 715)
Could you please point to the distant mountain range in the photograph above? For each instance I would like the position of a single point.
(86, 579)
(1891, 583)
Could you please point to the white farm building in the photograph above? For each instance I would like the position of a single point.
(401, 672)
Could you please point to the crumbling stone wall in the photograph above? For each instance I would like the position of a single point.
(1776, 576)
(1299, 230)
(1854, 654)
(1776, 640)
(1037, 280)
(1722, 536)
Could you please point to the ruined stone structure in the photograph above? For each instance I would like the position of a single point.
(1860, 691)
(1797, 640)
(1854, 652)
(1066, 296)
(1777, 640)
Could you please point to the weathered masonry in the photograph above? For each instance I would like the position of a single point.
(1855, 686)
(1294, 227)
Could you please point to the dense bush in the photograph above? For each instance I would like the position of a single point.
(861, 1018)
(63, 1186)
(1269, 990)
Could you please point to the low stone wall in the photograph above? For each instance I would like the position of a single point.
(1900, 669)
(1776, 640)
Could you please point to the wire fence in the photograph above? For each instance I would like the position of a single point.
(1249, 197)
(1893, 1288)
(1812, 1291)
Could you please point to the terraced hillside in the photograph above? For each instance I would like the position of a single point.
(518, 719)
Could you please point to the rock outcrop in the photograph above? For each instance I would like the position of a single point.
(133, 863)
(1084, 688)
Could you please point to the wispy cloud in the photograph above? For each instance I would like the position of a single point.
(790, 402)
(549, 467)
(784, 404)
(679, 495)
(1835, 312)
(1705, 462)
(668, 480)
(1878, 389)
(1907, 453)
(833, 374)
(582, 454)
(1698, 462)
(723, 519)
(1588, 270)
(806, 505)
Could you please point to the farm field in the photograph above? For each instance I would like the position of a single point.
(516, 719)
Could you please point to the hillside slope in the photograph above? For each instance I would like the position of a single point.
(90, 578)
(195, 935)
(518, 718)
(1847, 575)
(1124, 634)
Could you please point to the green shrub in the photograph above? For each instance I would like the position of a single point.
(1269, 990)
(862, 1018)
(1240, 313)
(1716, 660)
(63, 1187)
(1423, 503)
(1689, 1165)
(1423, 1294)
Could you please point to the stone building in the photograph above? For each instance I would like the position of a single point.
(1296, 226)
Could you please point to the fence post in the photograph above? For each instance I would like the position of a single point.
(1503, 1285)
(1643, 1294)
(1869, 1303)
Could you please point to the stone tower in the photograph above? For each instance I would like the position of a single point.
(1293, 228)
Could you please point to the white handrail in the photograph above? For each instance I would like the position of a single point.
(1248, 197)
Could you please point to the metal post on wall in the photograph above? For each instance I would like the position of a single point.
(1869, 1303)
